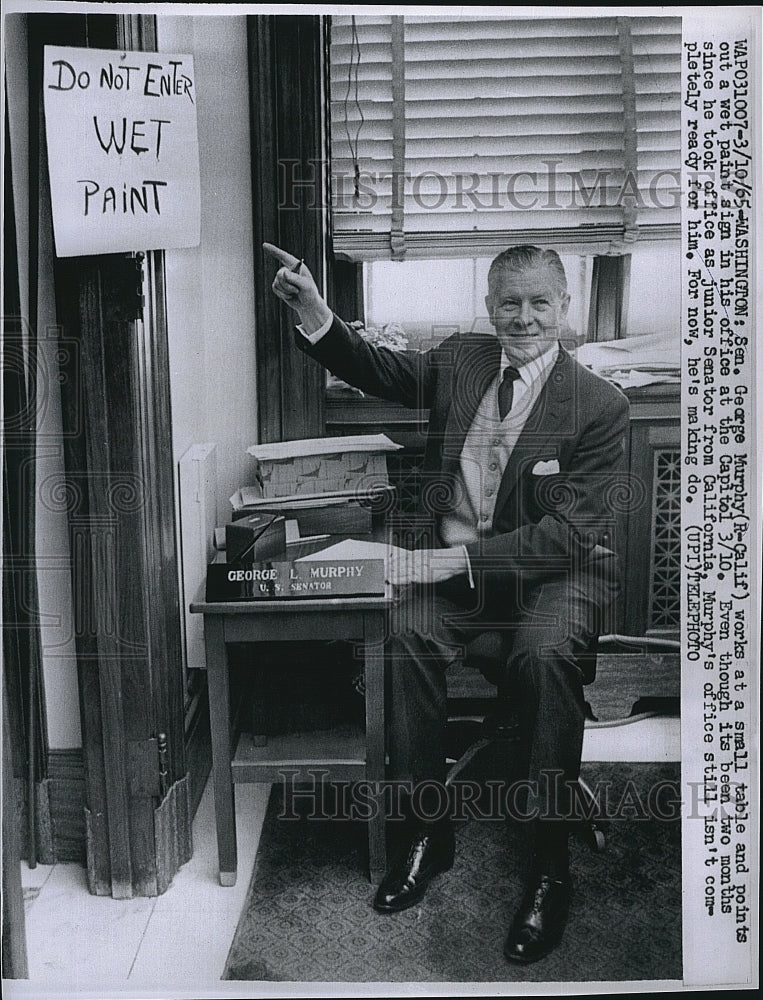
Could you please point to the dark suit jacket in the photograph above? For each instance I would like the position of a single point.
(542, 523)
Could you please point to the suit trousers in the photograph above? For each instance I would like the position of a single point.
(548, 629)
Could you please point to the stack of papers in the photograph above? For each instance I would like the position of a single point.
(634, 361)
(250, 497)
(279, 450)
(351, 549)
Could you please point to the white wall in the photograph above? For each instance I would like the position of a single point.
(210, 288)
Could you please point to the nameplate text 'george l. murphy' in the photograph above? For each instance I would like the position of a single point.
(314, 578)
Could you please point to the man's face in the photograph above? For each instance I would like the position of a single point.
(528, 310)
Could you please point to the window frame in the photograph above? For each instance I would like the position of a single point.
(289, 187)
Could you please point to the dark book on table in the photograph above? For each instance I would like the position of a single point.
(254, 538)
(320, 518)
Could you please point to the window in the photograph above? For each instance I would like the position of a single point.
(427, 300)
(656, 268)
(430, 299)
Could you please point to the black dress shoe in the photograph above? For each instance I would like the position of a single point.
(430, 851)
(539, 923)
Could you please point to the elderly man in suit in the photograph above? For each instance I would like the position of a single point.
(522, 457)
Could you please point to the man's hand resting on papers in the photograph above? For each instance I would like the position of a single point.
(404, 566)
(298, 289)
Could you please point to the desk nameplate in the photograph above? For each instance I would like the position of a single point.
(276, 581)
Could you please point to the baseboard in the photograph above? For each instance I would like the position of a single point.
(62, 817)
(59, 810)
(66, 797)
(198, 751)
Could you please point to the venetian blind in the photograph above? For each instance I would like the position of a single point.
(455, 136)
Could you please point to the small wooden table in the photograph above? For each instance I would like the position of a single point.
(359, 618)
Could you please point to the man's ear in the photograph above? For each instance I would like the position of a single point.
(564, 305)
(489, 307)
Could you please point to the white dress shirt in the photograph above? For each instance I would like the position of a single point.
(487, 448)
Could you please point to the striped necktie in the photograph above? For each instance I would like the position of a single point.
(506, 390)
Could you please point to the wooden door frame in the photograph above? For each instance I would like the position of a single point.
(117, 445)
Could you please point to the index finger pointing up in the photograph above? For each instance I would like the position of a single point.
(287, 259)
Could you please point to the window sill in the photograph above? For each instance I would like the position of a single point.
(348, 413)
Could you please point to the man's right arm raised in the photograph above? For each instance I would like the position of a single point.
(400, 376)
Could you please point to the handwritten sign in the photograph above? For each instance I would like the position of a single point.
(123, 150)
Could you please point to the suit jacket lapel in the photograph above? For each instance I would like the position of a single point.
(546, 422)
(479, 364)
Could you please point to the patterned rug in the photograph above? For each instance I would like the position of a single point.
(308, 914)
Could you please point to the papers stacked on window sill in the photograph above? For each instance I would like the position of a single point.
(635, 361)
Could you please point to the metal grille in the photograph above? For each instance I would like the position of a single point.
(665, 563)
(404, 469)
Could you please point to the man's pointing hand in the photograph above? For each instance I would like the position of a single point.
(294, 285)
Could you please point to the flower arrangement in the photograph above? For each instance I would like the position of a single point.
(390, 335)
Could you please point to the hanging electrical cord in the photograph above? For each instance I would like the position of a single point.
(352, 87)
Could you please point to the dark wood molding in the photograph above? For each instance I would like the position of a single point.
(66, 798)
(610, 288)
(136, 32)
(124, 568)
(172, 833)
(345, 292)
(289, 180)
(111, 636)
(14, 924)
(23, 389)
(15, 634)
(63, 827)
(153, 369)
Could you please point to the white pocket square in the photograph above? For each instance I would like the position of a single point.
(550, 468)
